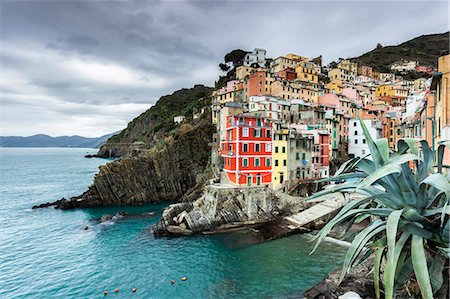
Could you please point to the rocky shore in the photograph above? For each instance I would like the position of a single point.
(221, 209)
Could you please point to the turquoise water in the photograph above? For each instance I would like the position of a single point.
(46, 253)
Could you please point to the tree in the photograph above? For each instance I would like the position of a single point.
(236, 57)
(409, 233)
(224, 67)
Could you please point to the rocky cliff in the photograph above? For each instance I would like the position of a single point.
(220, 209)
(175, 170)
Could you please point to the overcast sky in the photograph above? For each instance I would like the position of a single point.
(88, 68)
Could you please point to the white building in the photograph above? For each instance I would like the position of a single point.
(413, 102)
(272, 107)
(257, 56)
(402, 66)
(179, 119)
(357, 143)
(409, 85)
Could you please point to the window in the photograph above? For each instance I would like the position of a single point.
(257, 133)
(356, 141)
(364, 140)
(297, 156)
(268, 147)
(363, 152)
(257, 164)
(245, 147)
(276, 162)
(284, 149)
(267, 162)
(356, 133)
(284, 162)
(276, 149)
(354, 124)
(303, 156)
(245, 132)
(257, 147)
(245, 162)
(267, 133)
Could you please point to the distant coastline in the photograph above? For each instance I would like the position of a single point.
(42, 140)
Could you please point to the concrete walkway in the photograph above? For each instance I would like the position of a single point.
(328, 205)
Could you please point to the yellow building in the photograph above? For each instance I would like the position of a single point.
(391, 90)
(351, 67)
(335, 86)
(306, 72)
(440, 88)
(281, 63)
(292, 90)
(243, 71)
(341, 74)
(280, 157)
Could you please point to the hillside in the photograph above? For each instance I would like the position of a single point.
(426, 49)
(158, 120)
(42, 140)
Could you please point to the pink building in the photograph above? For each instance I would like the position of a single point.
(353, 95)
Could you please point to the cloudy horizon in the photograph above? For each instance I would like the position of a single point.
(88, 68)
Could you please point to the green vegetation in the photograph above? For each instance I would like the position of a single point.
(426, 49)
(157, 121)
(236, 58)
(405, 197)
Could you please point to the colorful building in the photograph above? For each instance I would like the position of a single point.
(247, 150)
(440, 87)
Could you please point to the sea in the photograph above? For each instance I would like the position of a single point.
(49, 253)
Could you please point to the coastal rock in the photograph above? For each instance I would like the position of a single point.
(223, 208)
(359, 280)
(178, 168)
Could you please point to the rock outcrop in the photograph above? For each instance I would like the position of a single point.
(220, 209)
(179, 167)
(358, 280)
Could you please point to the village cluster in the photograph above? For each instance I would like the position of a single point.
(289, 119)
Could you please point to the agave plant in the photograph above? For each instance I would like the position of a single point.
(405, 195)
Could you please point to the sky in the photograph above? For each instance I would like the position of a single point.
(89, 67)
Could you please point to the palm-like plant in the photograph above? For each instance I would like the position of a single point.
(406, 197)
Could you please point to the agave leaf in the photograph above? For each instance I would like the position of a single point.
(391, 264)
(391, 231)
(438, 181)
(378, 174)
(383, 147)
(391, 234)
(376, 156)
(347, 165)
(358, 244)
(436, 269)
(344, 214)
(446, 233)
(412, 144)
(348, 186)
(420, 267)
(431, 212)
(415, 229)
(404, 273)
(343, 177)
(427, 161)
(365, 165)
(376, 269)
(440, 157)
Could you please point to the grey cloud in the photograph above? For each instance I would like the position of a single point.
(97, 53)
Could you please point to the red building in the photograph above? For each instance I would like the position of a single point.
(288, 74)
(247, 150)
